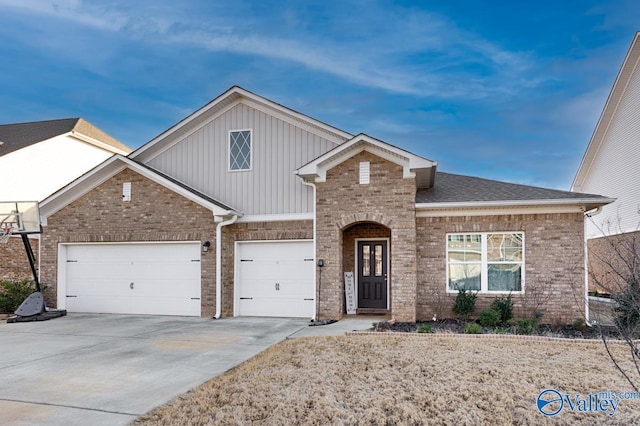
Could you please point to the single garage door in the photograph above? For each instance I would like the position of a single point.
(138, 278)
(275, 279)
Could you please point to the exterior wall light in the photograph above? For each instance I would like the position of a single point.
(205, 246)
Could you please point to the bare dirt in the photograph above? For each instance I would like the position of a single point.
(402, 379)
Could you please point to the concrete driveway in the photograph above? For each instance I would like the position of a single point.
(109, 369)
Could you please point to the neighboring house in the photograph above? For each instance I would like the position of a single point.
(611, 163)
(231, 211)
(38, 158)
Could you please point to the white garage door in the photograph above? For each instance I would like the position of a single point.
(275, 279)
(139, 278)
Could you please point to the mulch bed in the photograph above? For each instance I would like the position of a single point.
(456, 326)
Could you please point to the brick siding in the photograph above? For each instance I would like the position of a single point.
(554, 274)
(388, 200)
(15, 263)
(153, 214)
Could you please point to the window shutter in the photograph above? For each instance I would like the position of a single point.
(364, 173)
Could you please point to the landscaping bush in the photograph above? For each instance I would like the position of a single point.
(489, 317)
(526, 325)
(465, 303)
(472, 328)
(13, 293)
(504, 306)
(426, 328)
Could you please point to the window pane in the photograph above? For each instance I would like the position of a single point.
(464, 248)
(505, 277)
(378, 260)
(366, 260)
(504, 247)
(240, 150)
(465, 276)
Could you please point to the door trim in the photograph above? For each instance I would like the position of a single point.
(357, 266)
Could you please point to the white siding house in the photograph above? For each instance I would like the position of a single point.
(611, 163)
(38, 158)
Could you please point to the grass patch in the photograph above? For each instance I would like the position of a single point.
(377, 380)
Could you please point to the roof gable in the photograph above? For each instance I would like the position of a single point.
(413, 166)
(115, 165)
(219, 106)
(627, 70)
(14, 137)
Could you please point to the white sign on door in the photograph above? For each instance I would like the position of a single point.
(350, 293)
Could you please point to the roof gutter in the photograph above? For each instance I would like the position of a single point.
(234, 217)
(516, 203)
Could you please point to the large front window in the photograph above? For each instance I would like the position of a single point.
(486, 262)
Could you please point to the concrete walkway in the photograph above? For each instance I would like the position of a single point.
(87, 369)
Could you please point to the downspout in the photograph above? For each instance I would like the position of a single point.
(315, 267)
(219, 263)
(588, 214)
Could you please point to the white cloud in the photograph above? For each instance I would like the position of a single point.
(385, 58)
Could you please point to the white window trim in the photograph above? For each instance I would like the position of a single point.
(484, 278)
(250, 150)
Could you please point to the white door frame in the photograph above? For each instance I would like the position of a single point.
(357, 268)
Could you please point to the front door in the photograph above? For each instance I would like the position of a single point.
(372, 274)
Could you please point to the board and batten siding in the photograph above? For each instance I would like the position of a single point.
(201, 160)
(615, 171)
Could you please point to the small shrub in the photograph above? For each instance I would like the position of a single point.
(426, 328)
(579, 324)
(500, 330)
(13, 293)
(465, 303)
(526, 325)
(489, 317)
(472, 328)
(504, 306)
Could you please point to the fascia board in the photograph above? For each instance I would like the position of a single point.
(107, 170)
(623, 78)
(516, 203)
(409, 162)
(261, 103)
(97, 143)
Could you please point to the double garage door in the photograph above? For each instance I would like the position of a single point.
(271, 278)
(137, 278)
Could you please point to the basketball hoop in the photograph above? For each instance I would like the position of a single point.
(5, 233)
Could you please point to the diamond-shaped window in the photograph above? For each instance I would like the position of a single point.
(240, 150)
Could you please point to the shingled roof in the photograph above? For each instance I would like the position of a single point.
(21, 135)
(452, 188)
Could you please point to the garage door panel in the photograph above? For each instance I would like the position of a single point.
(137, 305)
(275, 279)
(136, 278)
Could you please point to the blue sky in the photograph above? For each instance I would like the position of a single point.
(502, 90)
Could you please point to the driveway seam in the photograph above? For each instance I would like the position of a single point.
(53, 356)
(49, 404)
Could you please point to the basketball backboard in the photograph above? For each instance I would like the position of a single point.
(23, 217)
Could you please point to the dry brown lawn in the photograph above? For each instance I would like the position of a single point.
(399, 380)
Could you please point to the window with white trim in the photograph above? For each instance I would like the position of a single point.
(240, 150)
(486, 262)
